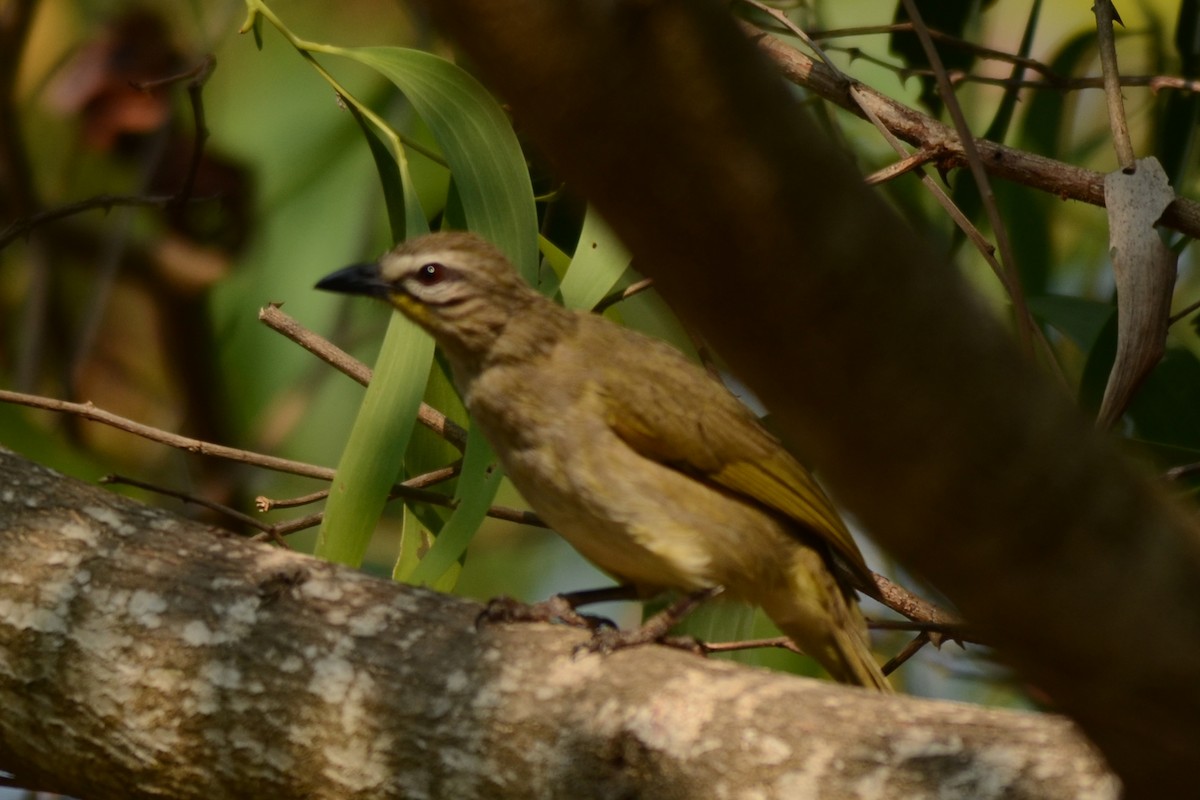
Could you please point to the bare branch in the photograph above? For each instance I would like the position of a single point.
(306, 679)
(1060, 179)
(91, 412)
(339, 359)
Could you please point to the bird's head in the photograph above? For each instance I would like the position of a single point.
(457, 286)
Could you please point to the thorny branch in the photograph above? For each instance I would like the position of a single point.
(1051, 80)
(1025, 325)
(1105, 16)
(1057, 178)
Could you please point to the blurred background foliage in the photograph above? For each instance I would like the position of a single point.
(150, 311)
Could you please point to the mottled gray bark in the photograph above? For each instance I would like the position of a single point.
(142, 655)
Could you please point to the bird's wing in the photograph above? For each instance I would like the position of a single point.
(700, 428)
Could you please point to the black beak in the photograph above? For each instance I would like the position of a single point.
(356, 279)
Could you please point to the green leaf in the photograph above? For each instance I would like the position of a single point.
(1078, 319)
(477, 140)
(374, 452)
(413, 539)
(950, 18)
(496, 198)
(1178, 128)
(1164, 410)
(1099, 364)
(253, 23)
(600, 261)
(998, 129)
(476, 488)
(389, 176)
(426, 452)
(1042, 129)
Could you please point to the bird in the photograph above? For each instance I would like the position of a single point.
(647, 465)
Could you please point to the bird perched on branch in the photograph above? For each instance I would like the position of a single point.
(650, 468)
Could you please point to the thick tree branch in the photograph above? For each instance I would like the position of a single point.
(142, 655)
(876, 358)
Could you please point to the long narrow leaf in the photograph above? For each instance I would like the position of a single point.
(497, 200)
(477, 486)
(374, 452)
(477, 140)
(600, 261)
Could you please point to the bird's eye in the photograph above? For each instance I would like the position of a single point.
(429, 274)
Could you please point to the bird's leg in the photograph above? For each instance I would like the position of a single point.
(558, 608)
(655, 629)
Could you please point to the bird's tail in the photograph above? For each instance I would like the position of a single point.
(855, 663)
(842, 650)
(824, 620)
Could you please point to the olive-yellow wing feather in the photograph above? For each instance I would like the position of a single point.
(699, 427)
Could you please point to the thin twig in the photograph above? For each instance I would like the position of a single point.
(957, 633)
(339, 359)
(904, 165)
(781, 642)
(985, 248)
(319, 346)
(196, 77)
(422, 481)
(1183, 313)
(795, 30)
(1025, 325)
(1061, 85)
(1062, 180)
(23, 226)
(954, 41)
(294, 525)
(1106, 42)
(866, 103)
(91, 412)
(265, 504)
(418, 496)
(405, 490)
(232, 513)
(915, 608)
(1182, 471)
(637, 287)
(909, 650)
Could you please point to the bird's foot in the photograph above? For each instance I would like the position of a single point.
(555, 609)
(655, 630)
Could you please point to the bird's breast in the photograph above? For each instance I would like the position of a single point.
(639, 520)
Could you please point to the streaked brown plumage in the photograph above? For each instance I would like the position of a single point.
(644, 463)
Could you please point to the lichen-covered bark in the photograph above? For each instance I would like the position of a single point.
(142, 655)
